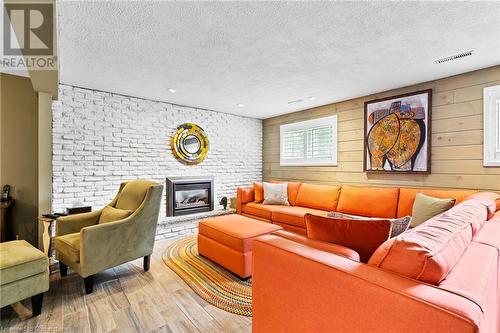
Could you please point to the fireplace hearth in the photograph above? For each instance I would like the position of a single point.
(189, 195)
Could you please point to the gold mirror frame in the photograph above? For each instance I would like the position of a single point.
(177, 144)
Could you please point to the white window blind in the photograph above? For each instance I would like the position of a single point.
(311, 142)
(491, 117)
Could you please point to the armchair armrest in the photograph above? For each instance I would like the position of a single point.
(109, 244)
(74, 223)
(243, 195)
(325, 292)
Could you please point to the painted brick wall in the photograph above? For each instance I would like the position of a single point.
(101, 139)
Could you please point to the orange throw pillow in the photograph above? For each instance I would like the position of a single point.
(258, 191)
(362, 236)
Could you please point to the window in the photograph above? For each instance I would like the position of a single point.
(311, 142)
(491, 116)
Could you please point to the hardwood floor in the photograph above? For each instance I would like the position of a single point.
(125, 299)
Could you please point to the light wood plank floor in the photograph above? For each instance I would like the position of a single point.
(125, 299)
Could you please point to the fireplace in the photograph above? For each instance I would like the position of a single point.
(189, 195)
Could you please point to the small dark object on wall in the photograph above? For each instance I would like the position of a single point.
(78, 210)
(223, 202)
(6, 193)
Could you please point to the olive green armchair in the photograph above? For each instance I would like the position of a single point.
(122, 231)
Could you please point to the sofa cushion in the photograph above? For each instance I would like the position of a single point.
(294, 215)
(489, 232)
(431, 250)
(132, 194)
(320, 245)
(363, 236)
(19, 260)
(323, 197)
(426, 207)
(475, 276)
(260, 210)
(407, 197)
(258, 192)
(293, 191)
(69, 246)
(235, 231)
(369, 201)
(110, 214)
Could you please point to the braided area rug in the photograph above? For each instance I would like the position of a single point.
(212, 282)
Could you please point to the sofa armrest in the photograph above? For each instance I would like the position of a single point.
(74, 223)
(243, 195)
(319, 245)
(316, 291)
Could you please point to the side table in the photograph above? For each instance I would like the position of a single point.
(46, 234)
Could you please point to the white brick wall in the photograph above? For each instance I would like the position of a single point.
(101, 139)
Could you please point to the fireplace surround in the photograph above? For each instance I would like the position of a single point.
(189, 195)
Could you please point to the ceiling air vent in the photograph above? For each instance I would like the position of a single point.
(454, 57)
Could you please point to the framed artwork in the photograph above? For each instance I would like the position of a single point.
(397, 134)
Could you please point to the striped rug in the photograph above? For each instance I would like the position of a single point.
(213, 283)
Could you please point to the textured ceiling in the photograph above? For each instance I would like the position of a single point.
(265, 54)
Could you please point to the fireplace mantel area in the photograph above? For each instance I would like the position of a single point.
(189, 195)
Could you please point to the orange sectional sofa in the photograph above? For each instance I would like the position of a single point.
(388, 202)
(441, 276)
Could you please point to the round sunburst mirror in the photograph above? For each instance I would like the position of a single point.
(190, 144)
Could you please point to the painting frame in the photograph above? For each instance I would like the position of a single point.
(427, 131)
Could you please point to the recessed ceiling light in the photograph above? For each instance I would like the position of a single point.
(311, 98)
(173, 91)
(295, 101)
(240, 105)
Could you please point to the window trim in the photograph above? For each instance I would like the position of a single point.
(490, 134)
(305, 125)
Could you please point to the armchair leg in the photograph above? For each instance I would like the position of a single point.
(147, 263)
(36, 304)
(63, 269)
(89, 284)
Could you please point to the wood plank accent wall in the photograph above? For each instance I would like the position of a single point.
(456, 147)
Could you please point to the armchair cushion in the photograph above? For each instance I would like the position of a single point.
(132, 194)
(110, 214)
(69, 246)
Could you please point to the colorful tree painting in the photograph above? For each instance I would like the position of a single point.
(397, 134)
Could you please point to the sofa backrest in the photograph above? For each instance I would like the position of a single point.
(369, 201)
(324, 197)
(385, 202)
(430, 251)
(407, 197)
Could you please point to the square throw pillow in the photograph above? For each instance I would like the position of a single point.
(275, 194)
(111, 214)
(363, 236)
(426, 207)
(258, 192)
(398, 226)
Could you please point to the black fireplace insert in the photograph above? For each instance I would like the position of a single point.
(189, 195)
